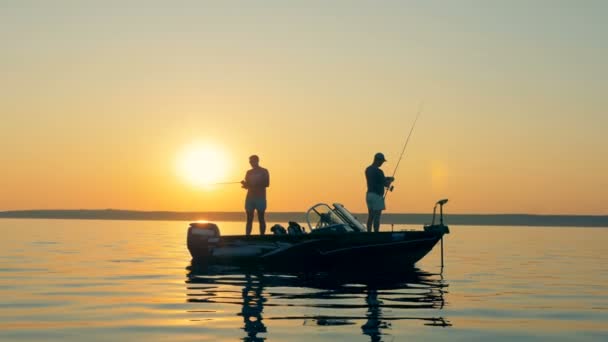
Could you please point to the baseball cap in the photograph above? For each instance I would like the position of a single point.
(379, 156)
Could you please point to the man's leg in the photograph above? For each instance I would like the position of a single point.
(249, 222)
(370, 220)
(377, 215)
(262, 220)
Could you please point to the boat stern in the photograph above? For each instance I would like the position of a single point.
(202, 235)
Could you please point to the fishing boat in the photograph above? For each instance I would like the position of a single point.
(333, 239)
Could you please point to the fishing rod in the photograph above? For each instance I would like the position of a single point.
(404, 147)
(223, 183)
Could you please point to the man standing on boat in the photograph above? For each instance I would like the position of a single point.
(257, 179)
(376, 182)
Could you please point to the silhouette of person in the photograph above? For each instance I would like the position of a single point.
(376, 182)
(257, 179)
(253, 305)
(374, 315)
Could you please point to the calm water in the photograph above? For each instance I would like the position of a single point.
(63, 280)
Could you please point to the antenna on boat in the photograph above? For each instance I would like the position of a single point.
(404, 147)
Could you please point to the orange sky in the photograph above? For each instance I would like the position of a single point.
(99, 103)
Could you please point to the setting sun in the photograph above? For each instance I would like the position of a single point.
(202, 164)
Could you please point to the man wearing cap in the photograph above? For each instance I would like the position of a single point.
(376, 182)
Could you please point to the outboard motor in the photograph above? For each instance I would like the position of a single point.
(200, 236)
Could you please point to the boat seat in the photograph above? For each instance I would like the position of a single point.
(294, 228)
(277, 229)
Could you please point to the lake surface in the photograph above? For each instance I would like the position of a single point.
(77, 280)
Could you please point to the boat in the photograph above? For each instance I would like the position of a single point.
(335, 239)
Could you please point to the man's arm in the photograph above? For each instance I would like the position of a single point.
(245, 182)
(388, 181)
(266, 181)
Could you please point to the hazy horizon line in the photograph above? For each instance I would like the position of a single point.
(278, 212)
(512, 219)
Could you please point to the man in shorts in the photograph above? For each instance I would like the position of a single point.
(376, 182)
(257, 179)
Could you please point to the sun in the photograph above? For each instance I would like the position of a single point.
(202, 165)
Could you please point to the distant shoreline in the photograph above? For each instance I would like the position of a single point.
(388, 218)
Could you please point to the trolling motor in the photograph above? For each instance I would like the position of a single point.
(440, 203)
(440, 228)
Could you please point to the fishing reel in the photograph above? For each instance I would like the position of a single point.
(389, 183)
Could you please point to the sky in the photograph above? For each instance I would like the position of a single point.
(101, 100)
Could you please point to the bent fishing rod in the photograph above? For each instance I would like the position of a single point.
(403, 150)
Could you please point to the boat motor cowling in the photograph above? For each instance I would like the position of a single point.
(204, 229)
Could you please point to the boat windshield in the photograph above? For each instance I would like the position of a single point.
(349, 218)
(322, 215)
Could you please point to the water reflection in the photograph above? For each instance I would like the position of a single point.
(374, 314)
(253, 305)
(372, 301)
